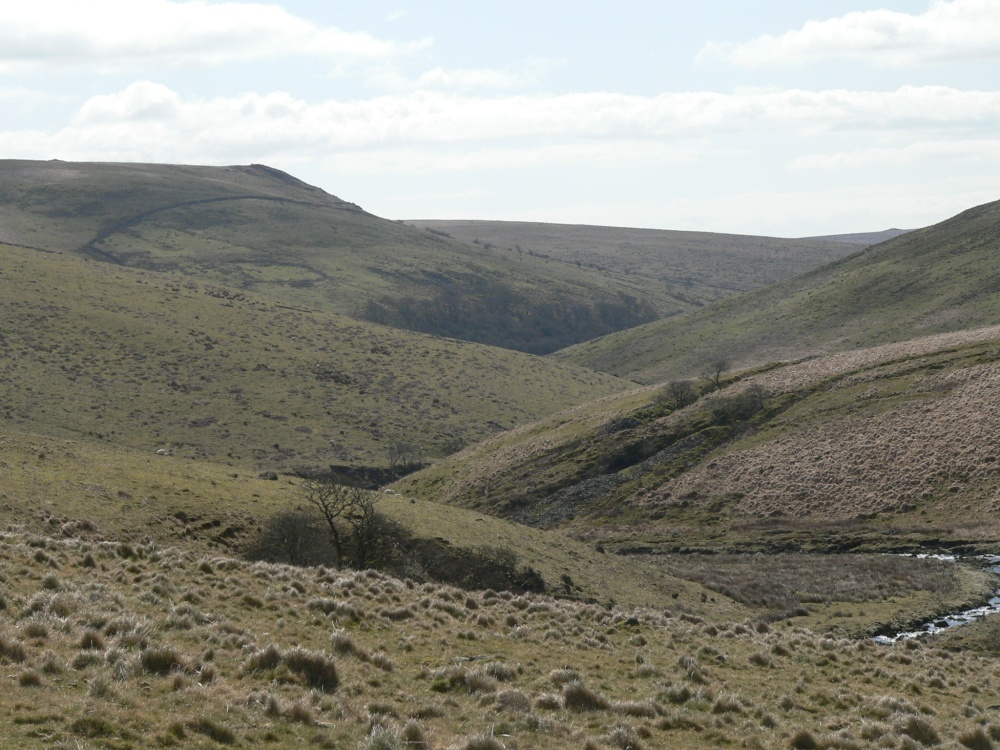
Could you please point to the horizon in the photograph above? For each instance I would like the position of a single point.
(779, 121)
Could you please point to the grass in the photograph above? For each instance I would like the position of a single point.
(696, 268)
(939, 279)
(151, 361)
(888, 448)
(89, 490)
(562, 674)
(257, 229)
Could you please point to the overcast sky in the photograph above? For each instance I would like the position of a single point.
(777, 117)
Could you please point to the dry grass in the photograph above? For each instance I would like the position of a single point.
(541, 673)
(936, 455)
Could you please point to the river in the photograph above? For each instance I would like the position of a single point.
(952, 620)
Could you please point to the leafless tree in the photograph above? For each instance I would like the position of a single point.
(714, 369)
(361, 536)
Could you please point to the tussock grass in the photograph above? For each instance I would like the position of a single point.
(290, 675)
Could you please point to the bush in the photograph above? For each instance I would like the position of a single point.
(737, 408)
(578, 697)
(315, 668)
(161, 661)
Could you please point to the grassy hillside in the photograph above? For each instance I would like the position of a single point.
(942, 278)
(884, 448)
(96, 491)
(106, 645)
(125, 621)
(258, 229)
(696, 268)
(155, 361)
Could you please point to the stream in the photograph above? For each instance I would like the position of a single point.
(937, 624)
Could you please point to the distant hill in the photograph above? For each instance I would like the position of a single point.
(256, 228)
(884, 448)
(941, 278)
(151, 360)
(863, 238)
(696, 268)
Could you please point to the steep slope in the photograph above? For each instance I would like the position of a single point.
(155, 361)
(942, 278)
(695, 267)
(258, 229)
(884, 448)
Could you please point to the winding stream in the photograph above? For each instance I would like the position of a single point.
(951, 620)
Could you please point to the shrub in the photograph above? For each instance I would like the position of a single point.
(920, 730)
(92, 640)
(578, 697)
(161, 660)
(383, 738)
(213, 730)
(414, 735)
(513, 700)
(12, 650)
(624, 737)
(548, 702)
(803, 740)
(482, 742)
(976, 739)
(30, 678)
(266, 658)
(315, 668)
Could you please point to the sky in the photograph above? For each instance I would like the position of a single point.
(776, 117)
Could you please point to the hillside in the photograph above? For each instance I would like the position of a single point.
(156, 361)
(254, 228)
(938, 279)
(695, 267)
(126, 621)
(883, 448)
(211, 651)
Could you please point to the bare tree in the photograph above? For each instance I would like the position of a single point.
(714, 368)
(333, 502)
(361, 536)
(401, 454)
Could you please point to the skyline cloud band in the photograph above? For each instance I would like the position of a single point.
(946, 31)
(434, 117)
(118, 34)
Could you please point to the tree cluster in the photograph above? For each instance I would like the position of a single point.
(339, 525)
(496, 315)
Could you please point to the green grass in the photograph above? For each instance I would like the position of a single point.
(100, 491)
(257, 229)
(940, 279)
(695, 268)
(156, 361)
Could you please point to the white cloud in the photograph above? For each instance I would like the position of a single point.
(956, 30)
(147, 116)
(119, 34)
(468, 79)
(596, 154)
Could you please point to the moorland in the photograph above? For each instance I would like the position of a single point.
(681, 527)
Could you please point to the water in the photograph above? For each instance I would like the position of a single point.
(952, 620)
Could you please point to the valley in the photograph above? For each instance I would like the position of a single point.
(707, 463)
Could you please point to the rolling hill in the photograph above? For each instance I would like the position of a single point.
(941, 278)
(695, 267)
(884, 448)
(155, 361)
(254, 228)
